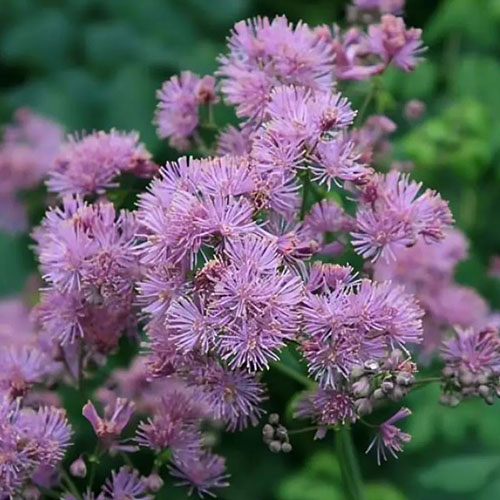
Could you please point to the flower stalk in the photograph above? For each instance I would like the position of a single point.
(346, 453)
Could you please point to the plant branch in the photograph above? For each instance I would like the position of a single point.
(349, 467)
(294, 374)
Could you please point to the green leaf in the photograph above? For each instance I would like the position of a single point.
(471, 20)
(383, 491)
(39, 41)
(466, 474)
(319, 479)
(15, 263)
(490, 491)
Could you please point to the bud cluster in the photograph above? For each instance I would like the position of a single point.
(375, 381)
(461, 382)
(275, 435)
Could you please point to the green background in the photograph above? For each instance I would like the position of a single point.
(94, 64)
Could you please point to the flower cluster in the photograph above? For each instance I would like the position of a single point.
(27, 150)
(229, 267)
(29, 440)
(26, 357)
(472, 367)
(86, 259)
(177, 115)
(91, 163)
(427, 271)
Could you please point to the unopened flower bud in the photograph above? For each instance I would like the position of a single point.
(414, 109)
(371, 365)
(387, 386)
(378, 394)
(281, 432)
(357, 371)
(286, 447)
(31, 493)
(449, 400)
(205, 90)
(78, 468)
(275, 446)
(274, 419)
(398, 393)
(448, 371)
(153, 482)
(268, 431)
(361, 388)
(484, 391)
(363, 406)
(404, 378)
(466, 378)
(396, 355)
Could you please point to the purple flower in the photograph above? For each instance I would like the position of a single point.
(274, 153)
(395, 44)
(189, 327)
(254, 253)
(177, 112)
(188, 207)
(16, 462)
(48, 433)
(22, 366)
(349, 325)
(456, 305)
(264, 54)
(234, 396)
(372, 138)
(387, 311)
(201, 473)
(337, 160)
(90, 164)
(116, 417)
(158, 287)
(61, 316)
(86, 257)
(174, 424)
(257, 311)
(326, 217)
(27, 151)
(390, 437)
(326, 407)
(322, 277)
(297, 114)
(351, 49)
(382, 6)
(393, 215)
(225, 176)
(414, 109)
(126, 483)
(473, 350)
(233, 141)
(29, 440)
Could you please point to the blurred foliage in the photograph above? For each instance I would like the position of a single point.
(96, 64)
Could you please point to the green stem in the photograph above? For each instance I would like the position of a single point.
(427, 380)
(307, 185)
(126, 459)
(364, 107)
(70, 484)
(349, 467)
(94, 461)
(304, 429)
(50, 493)
(293, 374)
